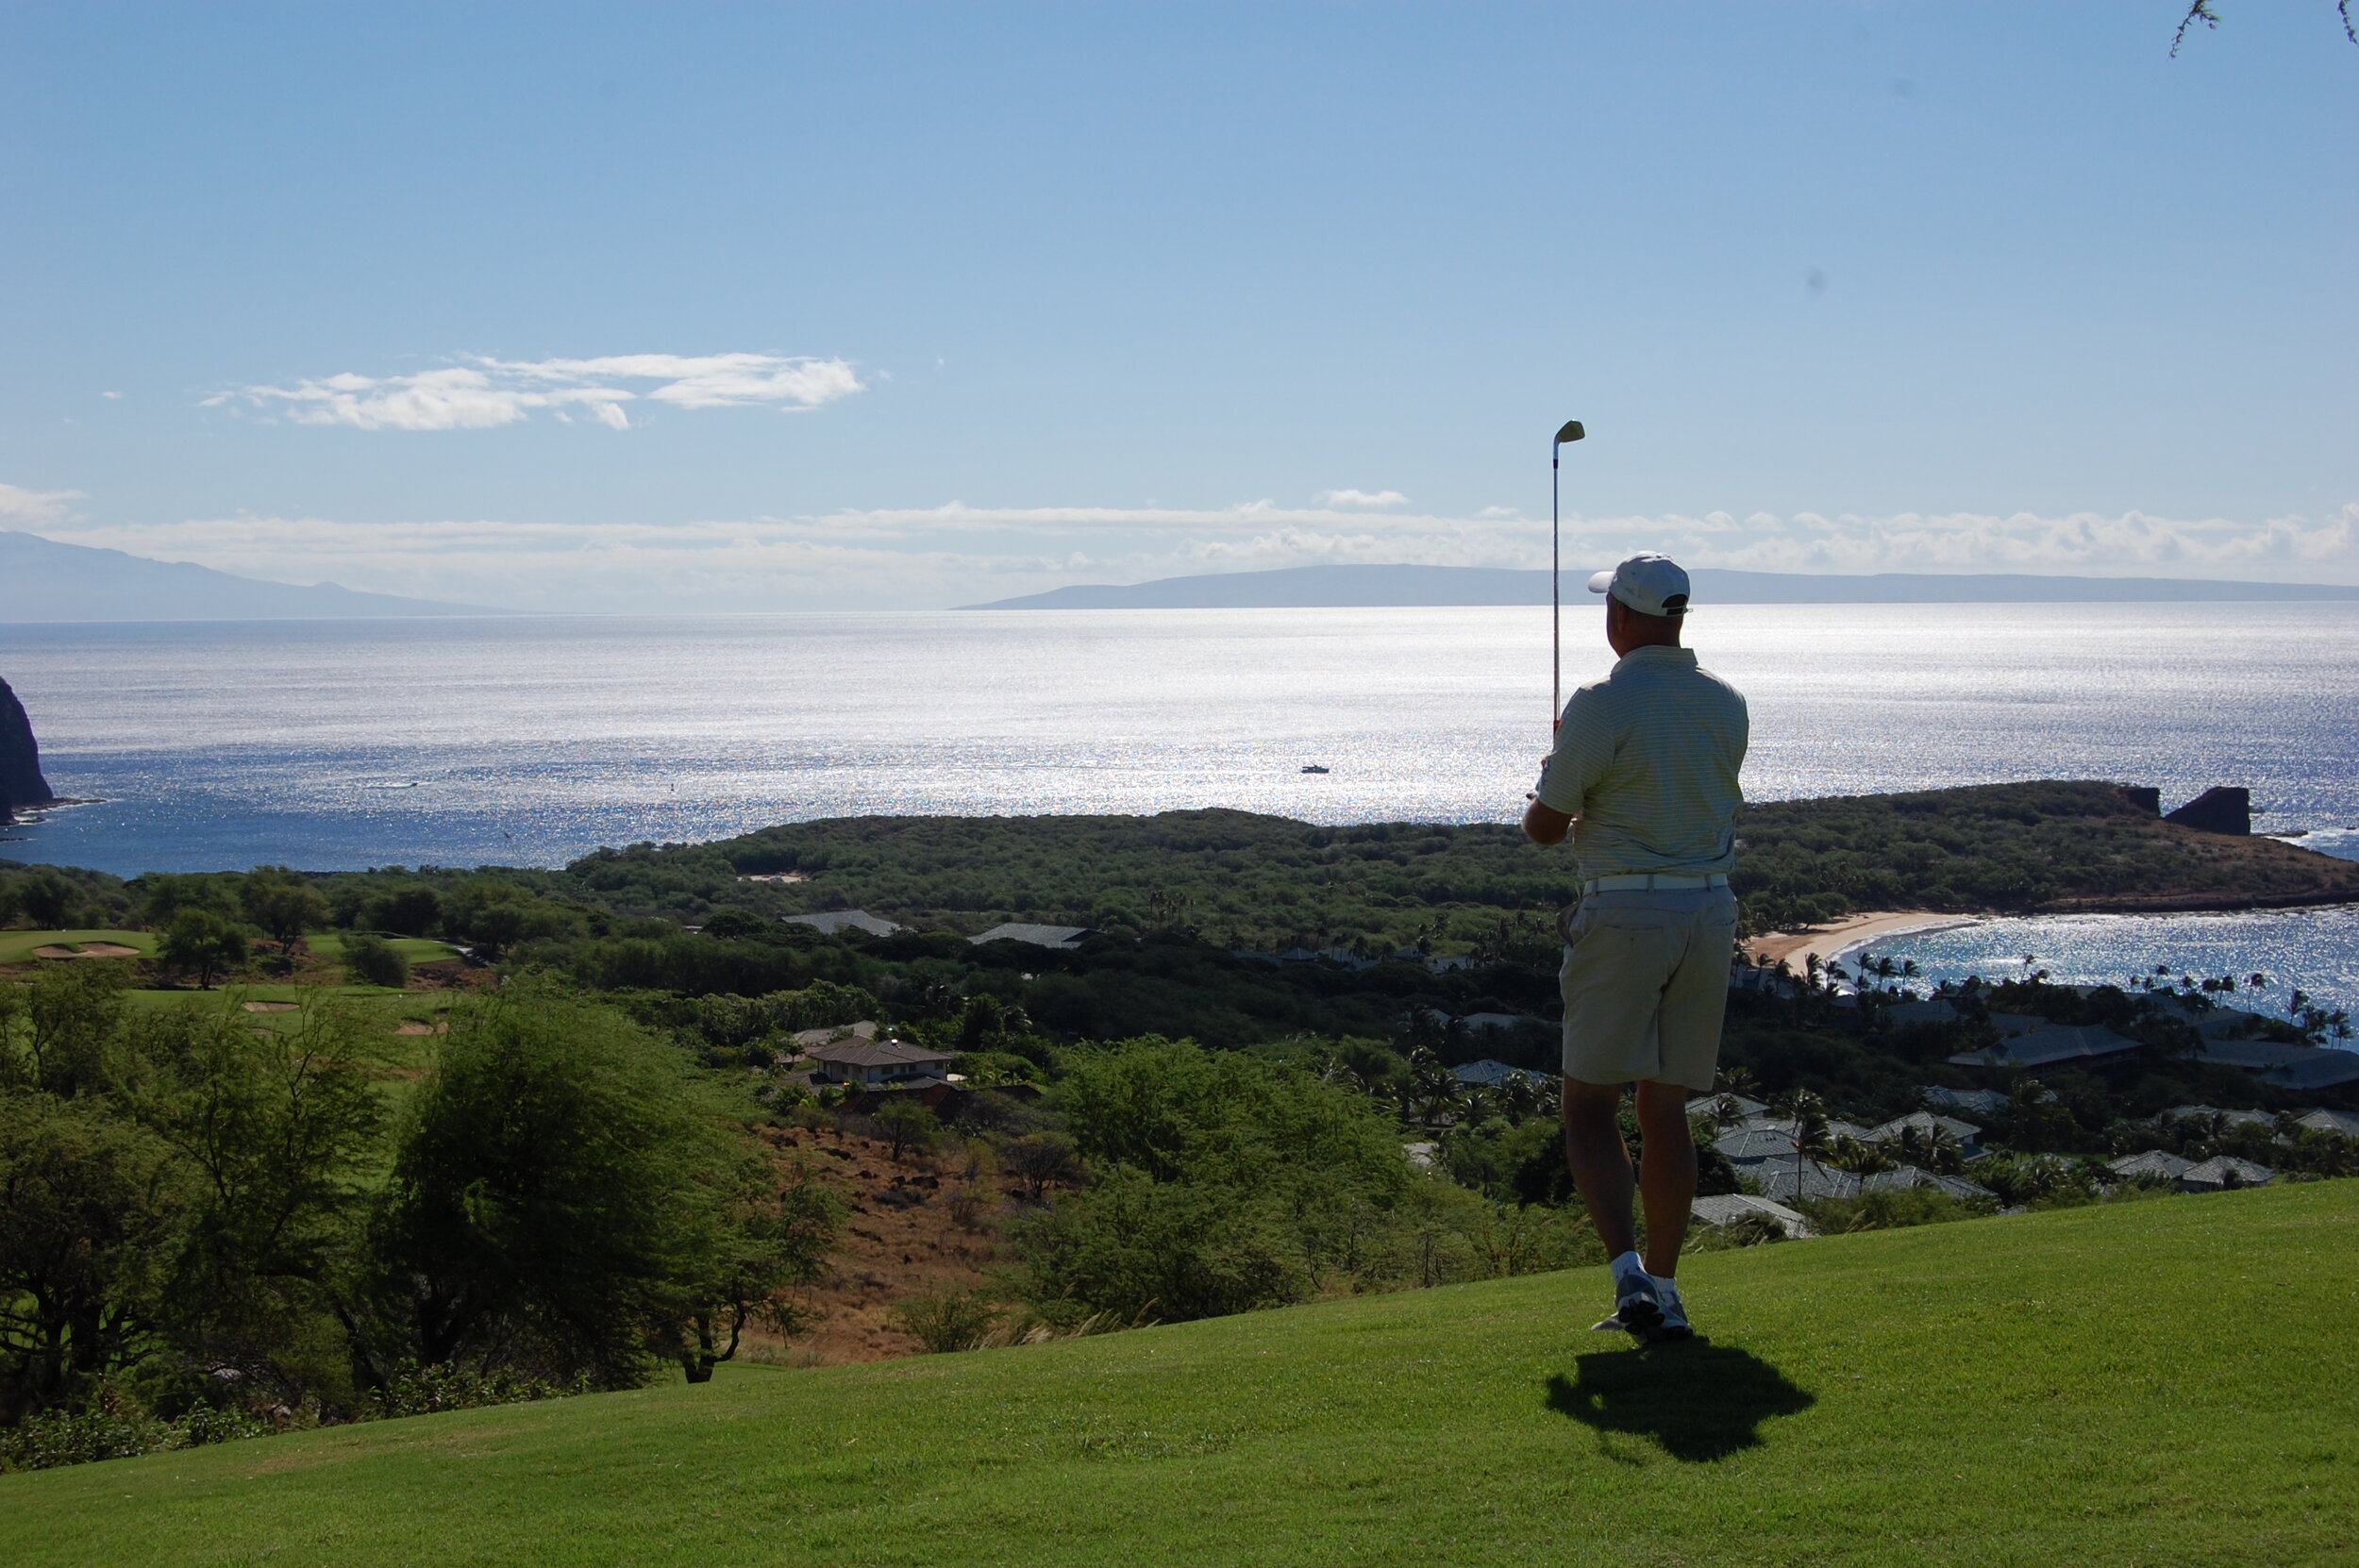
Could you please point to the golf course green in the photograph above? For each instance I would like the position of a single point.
(2167, 1382)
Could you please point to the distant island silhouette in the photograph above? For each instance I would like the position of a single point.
(42, 581)
(1314, 587)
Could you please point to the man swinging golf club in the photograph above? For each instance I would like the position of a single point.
(1645, 775)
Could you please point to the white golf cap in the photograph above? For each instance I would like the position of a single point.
(1649, 583)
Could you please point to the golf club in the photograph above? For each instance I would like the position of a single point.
(1571, 431)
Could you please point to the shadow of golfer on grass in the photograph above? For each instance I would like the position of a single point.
(1700, 1401)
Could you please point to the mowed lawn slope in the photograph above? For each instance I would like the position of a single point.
(2171, 1382)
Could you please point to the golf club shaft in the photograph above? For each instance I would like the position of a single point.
(1556, 599)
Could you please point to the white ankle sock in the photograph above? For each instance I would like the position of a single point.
(1664, 1284)
(1626, 1265)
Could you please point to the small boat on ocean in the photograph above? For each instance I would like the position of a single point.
(1314, 767)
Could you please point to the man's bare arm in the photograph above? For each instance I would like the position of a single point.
(1544, 824)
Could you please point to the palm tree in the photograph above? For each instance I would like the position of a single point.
(1931, 1149)
(1859, 1156)
(1434, 1089)
(1808, 1113)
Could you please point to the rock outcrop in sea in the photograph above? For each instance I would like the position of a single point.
(2224, 808)
(21, 783)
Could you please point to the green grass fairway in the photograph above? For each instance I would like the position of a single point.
(17, 946)
(331, 944)
(2170, 1382)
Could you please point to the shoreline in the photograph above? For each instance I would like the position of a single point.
(1835, 942)
(1832, 942)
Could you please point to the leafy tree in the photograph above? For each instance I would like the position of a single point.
(1227, 1182)
(1039, 1159)
(58, 1032)
(164, 896)
(203, 944)
(493, 916)
(283, 903)
(45, 899)
(277, 1132)
(541, 1210)
(375, 961)
(88, 1211)
(906, 1125)
(759, 1239)
(412, 910)
(727, 923)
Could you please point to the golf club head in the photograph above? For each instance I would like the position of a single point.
(1572, 431)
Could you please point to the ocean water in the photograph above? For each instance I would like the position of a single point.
(2315, 951)
(531, 740)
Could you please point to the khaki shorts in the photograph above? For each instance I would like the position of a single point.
(1645, 982)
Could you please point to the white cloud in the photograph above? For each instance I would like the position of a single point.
(111, 396)
(1362, 498)
(481, 394)
(34, 508)
(914, 557)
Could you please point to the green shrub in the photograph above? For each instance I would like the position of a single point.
(948, 1319)
(113, 1432)
(372, 960)
(414, 1390)
(1890, 1210)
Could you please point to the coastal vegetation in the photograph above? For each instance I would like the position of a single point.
(1253, 882)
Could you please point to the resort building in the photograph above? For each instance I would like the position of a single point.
(833, 921)
(1039, 935)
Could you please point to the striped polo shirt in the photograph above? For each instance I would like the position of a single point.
(1646, 764)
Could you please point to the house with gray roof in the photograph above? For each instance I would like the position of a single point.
(864, 1029)
(2222, 1173)
(2045, 1046)
(1738, 1104)
(833, 921)
(2327, 1068)
(1980, 1102)
(1745, 1145)
(1938, 1010)
(1909, 1177)
(2160, 1163)
(1726, 1208)
(2259, 1055)
(866, 1061)
(1065, 937)
(2225, 1118)
(1924, 1123)
(1488, 1074)
(2342, 1123)
(1792, 1178)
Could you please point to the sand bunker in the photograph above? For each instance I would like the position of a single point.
(88, 950)
(414, 1028)
(271, 1007)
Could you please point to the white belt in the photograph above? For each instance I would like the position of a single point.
(1649, 880)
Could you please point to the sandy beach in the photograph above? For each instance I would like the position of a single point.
(1828, 940)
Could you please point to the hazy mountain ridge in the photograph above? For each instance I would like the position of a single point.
(41, 580)
(1314, 587)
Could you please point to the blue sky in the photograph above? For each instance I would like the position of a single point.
(907, 304)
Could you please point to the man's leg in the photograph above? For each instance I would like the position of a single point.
(1600, 1161)
(1666, 1176)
